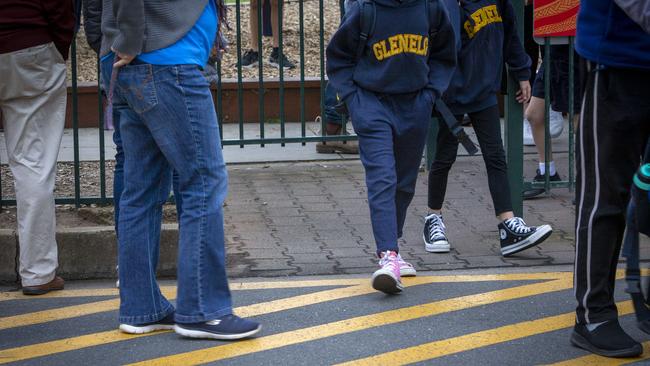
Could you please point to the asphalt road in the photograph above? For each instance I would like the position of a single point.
(481, 317)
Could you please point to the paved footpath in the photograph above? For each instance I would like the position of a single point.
(312, 218)
(480, 317)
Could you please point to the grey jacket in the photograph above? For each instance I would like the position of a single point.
(136, 26)
(92, 23)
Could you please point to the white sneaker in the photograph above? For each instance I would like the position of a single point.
(406, 269)
(387, 278)
(556, 122)
(528, 134)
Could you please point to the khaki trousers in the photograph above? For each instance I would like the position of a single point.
(32, 102)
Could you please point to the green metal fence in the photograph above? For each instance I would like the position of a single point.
(513, 110)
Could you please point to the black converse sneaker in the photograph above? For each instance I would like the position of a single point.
(274, 60)
(250, 59)
(517, 236)
(435, 239)
(607, 339)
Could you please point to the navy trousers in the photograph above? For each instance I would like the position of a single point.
(392, 130)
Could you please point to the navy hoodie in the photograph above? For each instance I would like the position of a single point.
(399, 57)
(606, 35)
(489, 37)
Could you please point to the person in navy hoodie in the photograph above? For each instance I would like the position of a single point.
(390, 90)
(488, 38)
(614, 37)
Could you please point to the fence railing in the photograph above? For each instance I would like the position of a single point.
(513, 111)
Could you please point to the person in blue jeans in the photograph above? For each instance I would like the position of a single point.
(167, 121)
(390, 89)
(334, 121)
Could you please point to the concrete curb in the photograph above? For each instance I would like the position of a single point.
(8, 243)
(88, 252)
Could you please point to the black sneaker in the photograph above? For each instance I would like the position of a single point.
(250, 59)
(165, 323)
(228, 327)
(608, 339)
(534, 192)
(517, 236)
(435, 239)
(275, 60)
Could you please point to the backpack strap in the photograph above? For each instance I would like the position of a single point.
(367, 19)
(431, 11)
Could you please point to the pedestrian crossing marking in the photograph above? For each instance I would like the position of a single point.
(592, 359)
(170, 293)
(345, 288)
(96, 339)
(50, 315)
(467, 342)
(362, 287)
(350, 325)
(271, 284)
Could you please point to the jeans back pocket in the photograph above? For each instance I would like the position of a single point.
(137, 86)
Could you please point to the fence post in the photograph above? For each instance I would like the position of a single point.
(75, 123)
(514, 129)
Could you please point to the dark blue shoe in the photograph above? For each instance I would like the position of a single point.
(227, 327)
(166, 323)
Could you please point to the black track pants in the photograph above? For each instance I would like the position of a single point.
(614, 128)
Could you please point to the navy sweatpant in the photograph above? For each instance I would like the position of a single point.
(392, 131)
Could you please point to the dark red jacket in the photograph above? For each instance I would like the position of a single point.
(28, 23)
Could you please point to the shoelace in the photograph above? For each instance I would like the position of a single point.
(387, 259)
(402, 262)
(437, 227)
(518, 226)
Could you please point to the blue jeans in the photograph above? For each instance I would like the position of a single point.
(118, 175)
(167, 121)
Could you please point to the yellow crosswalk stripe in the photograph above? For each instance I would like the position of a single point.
(275, 341)
(591, 360)
(95, 339)
(68, 312)
(234, 286)
(480, 339)
(75, 343)
(269, 285)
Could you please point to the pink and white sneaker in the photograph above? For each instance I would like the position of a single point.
(387, 278)
(406, 269)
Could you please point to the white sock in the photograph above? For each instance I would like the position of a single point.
(551, 168)
(591, 327)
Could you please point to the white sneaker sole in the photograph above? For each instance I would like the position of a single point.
(254, 64)
(538, 237)
(407, 271)
(192, 333)
(132, 329)
(277, 66)
(439, 246)
(385, 281)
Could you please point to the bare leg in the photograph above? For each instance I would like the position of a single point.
(254, 26)
(535, 114)
(506, 215)
(275, 25)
